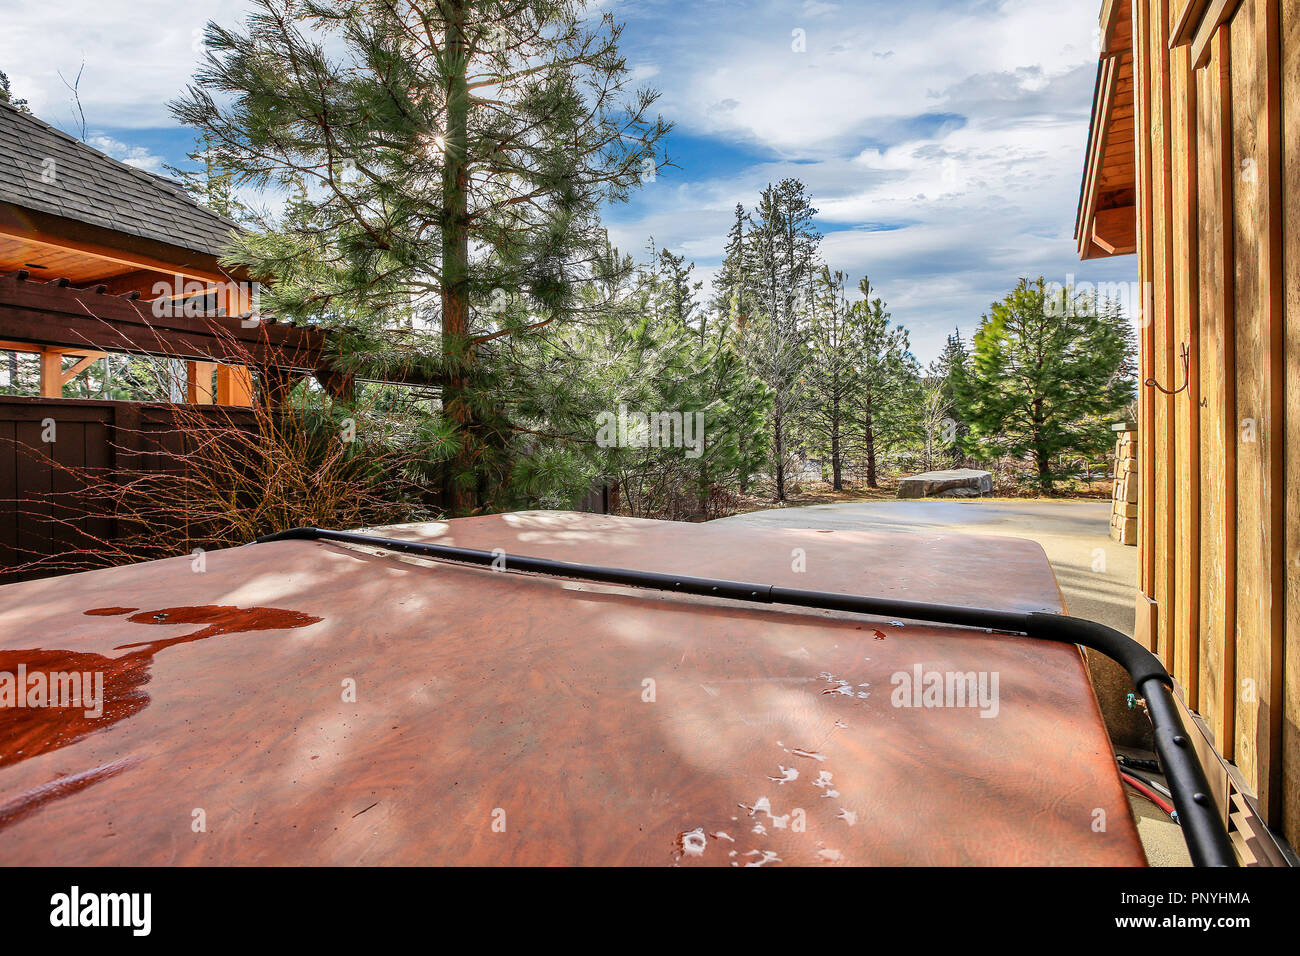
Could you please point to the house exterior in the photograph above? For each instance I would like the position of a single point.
(1192, 166)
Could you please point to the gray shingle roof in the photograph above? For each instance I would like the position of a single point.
(94, 188)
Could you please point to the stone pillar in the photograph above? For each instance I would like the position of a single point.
(1124, 510)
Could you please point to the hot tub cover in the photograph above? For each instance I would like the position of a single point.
(305, 702)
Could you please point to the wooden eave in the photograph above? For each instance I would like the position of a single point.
(1106, 224)
(53, 246)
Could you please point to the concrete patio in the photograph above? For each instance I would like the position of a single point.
(1096, 575)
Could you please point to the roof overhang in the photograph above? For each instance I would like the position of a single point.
(60, 247)
(1106, 224)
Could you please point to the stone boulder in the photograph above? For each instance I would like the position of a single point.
(954, 483)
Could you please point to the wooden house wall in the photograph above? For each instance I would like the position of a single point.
(1218, 133)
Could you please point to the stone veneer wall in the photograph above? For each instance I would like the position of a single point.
(1124, 508)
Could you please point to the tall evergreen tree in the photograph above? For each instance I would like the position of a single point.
(782, 257)
(888, 376)
(732, 282)
(952, 370)
(455, 155)
(834, 368)
(1045, 375)
(678, 291)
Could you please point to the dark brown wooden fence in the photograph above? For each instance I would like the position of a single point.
(48, 450)
(60, 460)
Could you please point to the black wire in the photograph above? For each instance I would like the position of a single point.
(1159, 788)
(1140, 763)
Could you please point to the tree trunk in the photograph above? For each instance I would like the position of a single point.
(778, 443)
(1044, 471)
(1041, 458)
(870, 438)
(457, 349)
(744, 468)
(837, 483)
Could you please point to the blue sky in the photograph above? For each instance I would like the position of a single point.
(941, 140)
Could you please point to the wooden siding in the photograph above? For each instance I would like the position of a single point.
(1217, 113)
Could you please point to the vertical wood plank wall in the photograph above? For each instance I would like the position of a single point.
(1219, 251)
(1289, 30)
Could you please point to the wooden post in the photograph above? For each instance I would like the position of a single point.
(234, 385)
(234, 382)
(198, 382)
(51, 374)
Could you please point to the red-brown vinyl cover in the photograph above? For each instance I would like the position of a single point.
(310, 703)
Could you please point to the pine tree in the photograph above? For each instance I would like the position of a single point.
(678, 291)
(834, 368)
(952, 369)
(6, 95)
(783, 255)
(455, 154)
(1045, 374)
(733, 279)
(888, 376)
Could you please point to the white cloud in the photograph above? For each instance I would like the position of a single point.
(138, 54)
(945, 216)
(136, 156)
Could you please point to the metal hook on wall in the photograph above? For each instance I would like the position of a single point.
(1186, 356)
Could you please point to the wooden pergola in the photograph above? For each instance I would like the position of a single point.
(58, 321)
(72, 218)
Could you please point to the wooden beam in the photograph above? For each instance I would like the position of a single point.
(1272, 272)
(1187, 412)
(46, 316)
(1220, 323)
(234, 385)
(1216, 13)
(1100, 132)
(141, 280)
(1185, 27)
(1290, 664)
(1115, 230)
(198, 382)
(81, 365)
(1107, 21)
(57, 232)
(37, 348)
